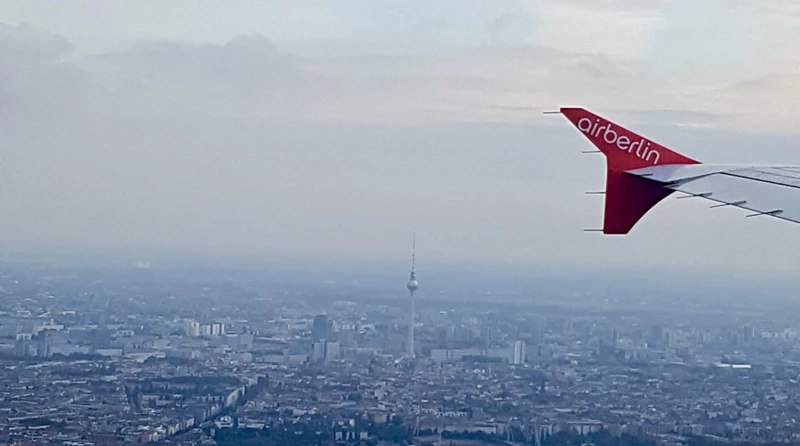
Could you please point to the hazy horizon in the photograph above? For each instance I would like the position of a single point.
(314, 130)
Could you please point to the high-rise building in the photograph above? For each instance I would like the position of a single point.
(45, 344)
(101, 338)
(657, 335)
(320, 328)
(748, 333)
(217, 329)
(318, 351)
(193, 328)
(22, 348)
(332, 351)
(519, 353)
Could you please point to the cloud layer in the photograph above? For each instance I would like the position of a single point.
(342, 129)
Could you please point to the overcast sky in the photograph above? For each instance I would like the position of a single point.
(335, 128)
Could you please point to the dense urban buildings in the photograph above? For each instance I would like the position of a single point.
(133, 354)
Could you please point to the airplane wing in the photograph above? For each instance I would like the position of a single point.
(640, 173)
(764, 190)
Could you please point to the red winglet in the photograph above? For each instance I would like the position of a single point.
(628, 197)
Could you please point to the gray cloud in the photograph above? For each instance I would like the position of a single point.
(511, 27)
(247, 60)
(239, 147)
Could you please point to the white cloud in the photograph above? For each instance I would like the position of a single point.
(589, 28)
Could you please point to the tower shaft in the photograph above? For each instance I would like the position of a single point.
(411, 329)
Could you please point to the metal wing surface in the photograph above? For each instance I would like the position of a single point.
(763, 190)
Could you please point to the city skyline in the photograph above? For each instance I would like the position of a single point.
(177, 356)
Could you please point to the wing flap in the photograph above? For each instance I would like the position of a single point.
(764, 191)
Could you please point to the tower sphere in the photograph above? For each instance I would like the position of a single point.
(412, 284)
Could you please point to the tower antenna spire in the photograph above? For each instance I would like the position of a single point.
(412, 284)
(413, 251)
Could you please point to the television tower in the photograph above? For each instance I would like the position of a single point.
(412, 286)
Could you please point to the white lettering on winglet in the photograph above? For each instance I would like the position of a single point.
(640, 149)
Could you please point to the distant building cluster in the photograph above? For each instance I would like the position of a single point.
(132, 361)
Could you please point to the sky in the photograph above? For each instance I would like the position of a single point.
(332, 129)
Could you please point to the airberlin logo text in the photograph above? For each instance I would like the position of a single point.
(639, 148)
